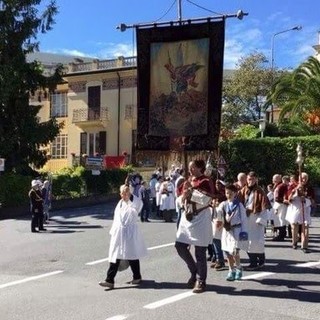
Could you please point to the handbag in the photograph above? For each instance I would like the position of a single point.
(243, 236)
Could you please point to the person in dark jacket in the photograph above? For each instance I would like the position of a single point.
(36, 207)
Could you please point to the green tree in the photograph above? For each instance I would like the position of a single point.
(298, 93)
(245, 91)
(247, 131)
(21, 133)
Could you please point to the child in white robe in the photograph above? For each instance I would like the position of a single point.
(235, 226)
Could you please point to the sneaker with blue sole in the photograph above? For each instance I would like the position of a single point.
(231, 276)
(238, 274)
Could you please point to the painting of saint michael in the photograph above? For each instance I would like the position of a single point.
(178, 96)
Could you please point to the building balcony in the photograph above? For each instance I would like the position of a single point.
(84, 117)
(120, 62)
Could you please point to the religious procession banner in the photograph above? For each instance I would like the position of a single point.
(179, 86)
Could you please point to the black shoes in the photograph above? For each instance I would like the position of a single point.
(199, 287)
(106, 284)
(251, 267)
(191, 282)
(277, 238)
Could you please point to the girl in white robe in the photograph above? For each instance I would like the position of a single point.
(126, 240)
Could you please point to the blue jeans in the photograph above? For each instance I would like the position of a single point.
(217, 252)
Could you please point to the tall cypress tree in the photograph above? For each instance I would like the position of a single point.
(21, 133)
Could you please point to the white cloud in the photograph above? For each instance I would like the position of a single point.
(275, 16)
(240, 42)
(233, 52)
(114, 50)
(73, 53)
(252, 35)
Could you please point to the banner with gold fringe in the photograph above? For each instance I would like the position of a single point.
(180, 69)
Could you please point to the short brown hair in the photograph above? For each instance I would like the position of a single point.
(231, 187)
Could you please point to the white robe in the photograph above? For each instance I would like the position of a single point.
(256, 224)
(230, 239)
(158, 195)
(294, 212)
(167, 200)
(198, 231)
(279, 214)
(217, 216)
(126, 240)
(256, 232)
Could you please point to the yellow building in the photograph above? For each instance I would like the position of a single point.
(97, 104)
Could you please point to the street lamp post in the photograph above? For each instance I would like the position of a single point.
(272, 56)
(262, 126)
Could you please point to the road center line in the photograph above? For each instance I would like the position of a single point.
(107, 259)
(161, 246)
(119, 317)
(258, 275)
(97, 261)
(9, 284)
(172, 299)
(307, 264)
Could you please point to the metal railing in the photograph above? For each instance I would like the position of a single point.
(86, 114)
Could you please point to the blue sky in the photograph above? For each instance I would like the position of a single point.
(88, 28)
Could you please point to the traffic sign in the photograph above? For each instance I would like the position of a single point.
(94, 163)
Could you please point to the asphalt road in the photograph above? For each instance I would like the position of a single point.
(54, 276)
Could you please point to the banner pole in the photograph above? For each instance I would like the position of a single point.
(179, 11)
(239, 15)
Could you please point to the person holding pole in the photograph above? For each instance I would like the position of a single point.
(298, 214)
(300, 207)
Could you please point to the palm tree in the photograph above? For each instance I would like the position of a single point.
(298, 93)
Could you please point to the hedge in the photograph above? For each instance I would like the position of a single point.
(268, 156)
(67, 183)
(265, 156)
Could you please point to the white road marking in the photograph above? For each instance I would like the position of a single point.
(161, 246)
(258, 275)
(119, 317)
(172, 299)
(9, 284)
(151, 248)
(307, 264)
(97, 261)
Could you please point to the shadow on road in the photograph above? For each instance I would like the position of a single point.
(295, 289)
